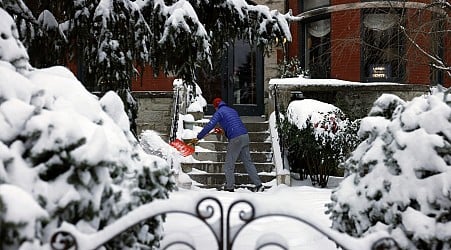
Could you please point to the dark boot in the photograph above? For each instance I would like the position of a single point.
(259, 188)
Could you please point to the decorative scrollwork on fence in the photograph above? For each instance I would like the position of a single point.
(210, 211)
(206, 210)
(62, 240)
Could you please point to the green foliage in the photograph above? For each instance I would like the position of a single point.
(317, 149)
(290, 68)
(112, 41)
(397, 174)
(9, 233)
(291, 136)
(88, 171)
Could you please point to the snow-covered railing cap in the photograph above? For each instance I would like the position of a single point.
(209, 210)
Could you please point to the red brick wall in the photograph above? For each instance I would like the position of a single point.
(335, 2)
(149, 82)
(293, 46)
(447, 55)
(345, 42)
(417, 63)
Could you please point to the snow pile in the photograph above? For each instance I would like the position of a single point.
(308, 109)
(153, 144)
(11, 49)
(67, 156)
(399, 176)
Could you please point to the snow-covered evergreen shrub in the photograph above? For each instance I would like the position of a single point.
(399, 176)
(316, 140)
(66, 156)
(77, 162)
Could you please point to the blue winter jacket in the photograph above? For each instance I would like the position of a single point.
(228, 119)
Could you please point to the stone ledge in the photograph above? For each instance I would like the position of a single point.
(153, 94)
(358, 87)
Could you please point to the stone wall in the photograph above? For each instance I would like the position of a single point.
(355, 100)
(271, 58)
(154, 111)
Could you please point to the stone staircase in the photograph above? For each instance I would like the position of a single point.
(211, 151)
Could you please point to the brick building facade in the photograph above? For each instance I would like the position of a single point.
(359, 41)
(362, 40)
(351, 40)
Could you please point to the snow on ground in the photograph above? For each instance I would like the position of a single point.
(301, 198)
(58, 91)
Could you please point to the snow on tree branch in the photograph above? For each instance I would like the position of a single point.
(187, 34)
(113, 37)
(19, 8)
(181, 17)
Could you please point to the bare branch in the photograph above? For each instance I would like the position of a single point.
(438, 63)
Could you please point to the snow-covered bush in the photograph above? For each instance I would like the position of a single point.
(67, 156)
(290, 68)
(399, 176)
(318, 136)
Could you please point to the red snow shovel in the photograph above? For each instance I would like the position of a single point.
(187, 149)
(183, 148)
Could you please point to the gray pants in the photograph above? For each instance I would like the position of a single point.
(239, 147)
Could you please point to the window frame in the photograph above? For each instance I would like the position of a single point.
(400, 76)
(304, 50)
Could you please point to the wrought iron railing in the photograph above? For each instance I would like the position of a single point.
(175, 113)
(210, 211)
(277, 112)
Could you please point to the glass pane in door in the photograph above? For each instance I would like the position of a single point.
(244, 73)
(210, 79)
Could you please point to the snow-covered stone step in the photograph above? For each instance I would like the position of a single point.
(222, 146)
(237, 186)
(251, 127)
(263, 136)
(219, 156)
(218, 179)
(218, 167)
(211, 152)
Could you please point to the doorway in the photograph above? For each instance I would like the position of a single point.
(237, 78)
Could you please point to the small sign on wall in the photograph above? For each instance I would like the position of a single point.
(380, 71)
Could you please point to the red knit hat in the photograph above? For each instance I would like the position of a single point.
(216, 102)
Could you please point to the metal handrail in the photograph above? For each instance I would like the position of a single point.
(278, 124)
(175, 114)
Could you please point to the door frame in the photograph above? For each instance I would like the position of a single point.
(227, 81)
(256, 109)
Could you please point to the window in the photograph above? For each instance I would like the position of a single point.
(317, 48)
(316, 40)
(381, 46)
(244, 73)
